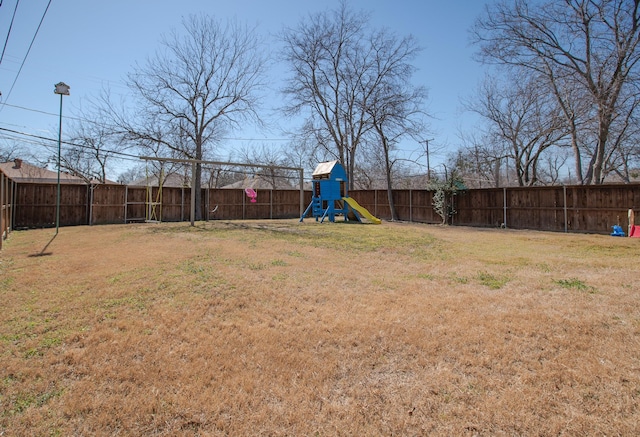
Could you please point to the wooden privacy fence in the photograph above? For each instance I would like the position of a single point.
(7, 187)
(593, 209)
(109, 204)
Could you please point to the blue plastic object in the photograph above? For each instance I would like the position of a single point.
(617, 231)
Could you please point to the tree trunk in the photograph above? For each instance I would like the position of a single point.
(598, 163)
(392, 206)
(577, 158)
(197, 186)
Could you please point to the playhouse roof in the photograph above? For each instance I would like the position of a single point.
(326, 168)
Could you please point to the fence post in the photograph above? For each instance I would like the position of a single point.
(13, 197)
(4, 208)
(302, 205)
(193, 193)
(375, 202)
(411, 205)
(126, 200)
(504, 206)
(207, 205)
(182, 204)
(91, 188)
(87, 205)
(566, 226)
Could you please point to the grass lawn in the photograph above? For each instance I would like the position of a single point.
(286, 328)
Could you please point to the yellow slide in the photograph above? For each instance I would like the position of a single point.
(361, 210)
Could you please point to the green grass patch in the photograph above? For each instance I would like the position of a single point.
(256, 266)
(544, 267)
(295, 254)
(194, 267)
(21, 401)
(50, 341)
(575, 284)
(10, 338)
(278, 262)
(279, 277)
(136, 302)
(427, 276)
(492, 281)
(349, 237)
(6, 282)
(459, 279)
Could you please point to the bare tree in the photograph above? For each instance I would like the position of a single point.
(10, 151)
(202, 84)
(578, 113)
(269, 160)
(325, 55)
(132, 174)
(91, 148)
(299, 153)
(625, 137)
(523, 117)
(369, 174)
(479, 162)
(395, 105)
(342, 74)
(592, 45)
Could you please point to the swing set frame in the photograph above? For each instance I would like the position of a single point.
(194, 162)
(153, 207)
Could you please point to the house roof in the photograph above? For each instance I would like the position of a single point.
(21, 172)
(260, 182)
(172, 180)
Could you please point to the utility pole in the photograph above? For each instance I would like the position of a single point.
(428, 164)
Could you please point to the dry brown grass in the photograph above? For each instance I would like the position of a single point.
(286, 328)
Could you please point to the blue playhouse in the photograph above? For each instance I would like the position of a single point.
(330, 196)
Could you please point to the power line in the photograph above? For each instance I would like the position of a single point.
(39, 111)
(26, 55)
(256, 139)
(6, 41)
(112, 126)
(122, 154)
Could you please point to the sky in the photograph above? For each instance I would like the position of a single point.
(92, 45)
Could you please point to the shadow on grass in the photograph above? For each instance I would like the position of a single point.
(43, 251)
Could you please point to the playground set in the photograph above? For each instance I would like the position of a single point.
(330, 196)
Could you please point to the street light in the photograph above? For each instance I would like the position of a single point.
(62, 89)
